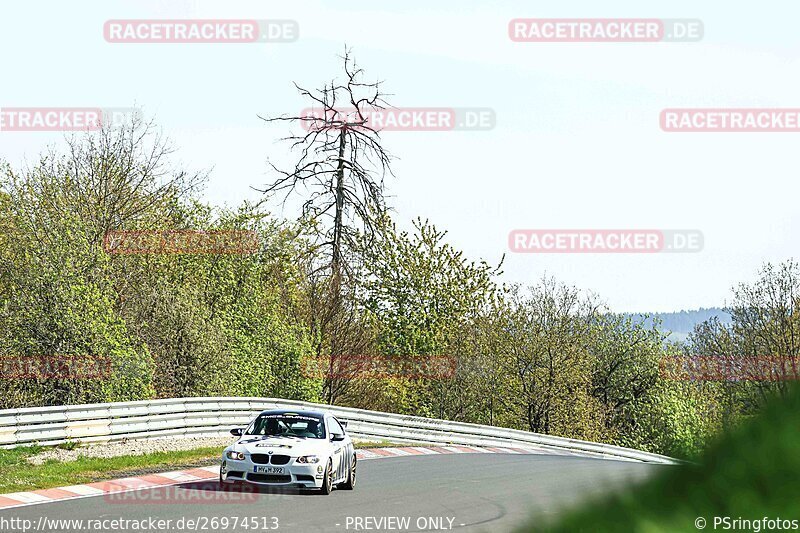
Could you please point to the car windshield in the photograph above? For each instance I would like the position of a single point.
(288, 425)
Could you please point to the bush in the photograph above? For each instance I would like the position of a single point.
(750, 472)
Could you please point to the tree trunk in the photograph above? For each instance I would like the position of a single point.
(336, 261)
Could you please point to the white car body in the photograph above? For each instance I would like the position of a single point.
(285, 460)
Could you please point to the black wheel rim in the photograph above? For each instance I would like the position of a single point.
(353, 474)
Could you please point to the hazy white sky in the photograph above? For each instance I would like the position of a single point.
(577, 142)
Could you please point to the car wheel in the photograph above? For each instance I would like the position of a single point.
(327, 482)
(350, 484)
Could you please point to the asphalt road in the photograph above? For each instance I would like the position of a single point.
(467, 492)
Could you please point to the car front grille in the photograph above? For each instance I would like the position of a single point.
(260, 458)
(264, 459)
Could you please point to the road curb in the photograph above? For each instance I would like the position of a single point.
(209, 473)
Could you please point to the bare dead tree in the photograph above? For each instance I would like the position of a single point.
(342, 163)
(340, 174)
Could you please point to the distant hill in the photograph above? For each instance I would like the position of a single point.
(681, 323)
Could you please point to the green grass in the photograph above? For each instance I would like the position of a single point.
(750, 473)
(16, 474)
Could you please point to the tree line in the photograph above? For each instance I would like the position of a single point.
(337, 289)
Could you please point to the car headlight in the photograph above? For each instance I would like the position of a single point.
(308, 459)
(236, 456)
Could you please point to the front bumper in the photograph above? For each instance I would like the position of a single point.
(293, 475)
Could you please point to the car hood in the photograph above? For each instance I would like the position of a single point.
(281, 445)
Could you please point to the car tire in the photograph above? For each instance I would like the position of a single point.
(350, 484)
(327, 482)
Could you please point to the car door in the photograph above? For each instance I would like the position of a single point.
(340, 459)
(349, 450)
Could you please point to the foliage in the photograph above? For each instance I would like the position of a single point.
(548, 358)
(730, 481)
(172, 324)
(421, 292)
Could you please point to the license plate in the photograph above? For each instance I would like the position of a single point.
(268, 469)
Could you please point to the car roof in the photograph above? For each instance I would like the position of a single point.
(315, 414)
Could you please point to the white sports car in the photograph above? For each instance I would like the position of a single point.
(306, 449)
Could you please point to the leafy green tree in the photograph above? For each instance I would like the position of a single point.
(761, 346)
(422, 292)
(172, 324)
(675, 418)
(57, 299)
(551, 360)
(625, 367)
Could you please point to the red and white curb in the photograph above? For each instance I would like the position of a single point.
(401, 451)
(208, 473)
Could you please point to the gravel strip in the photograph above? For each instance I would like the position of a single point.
(134, 447)
(130, 447)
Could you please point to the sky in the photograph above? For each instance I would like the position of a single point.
(576, 144)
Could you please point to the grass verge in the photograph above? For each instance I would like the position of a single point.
(17, 474)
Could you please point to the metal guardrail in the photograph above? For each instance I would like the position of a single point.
(208, 417)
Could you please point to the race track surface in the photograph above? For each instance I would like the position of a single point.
(466, 492)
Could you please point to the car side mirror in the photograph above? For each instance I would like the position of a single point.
(236, 432)
(343, 423)
(337, 437)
